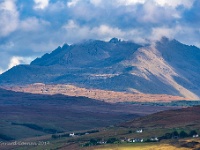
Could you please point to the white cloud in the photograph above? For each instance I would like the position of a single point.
(107, 32)
(1, 71)
(129, 2)
(72, 3)
(175, 3)
(16, 60)
(96, 2)
(152, 13)
(41, 4)
(33, 24)
(56, 7)
(102, 32)
(70, 25)
(8, 17)
(75, 33)
(170, 3)
(8, 5)
(159, 32)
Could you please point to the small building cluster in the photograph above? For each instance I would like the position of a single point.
(154, 139)
(139, 139)
(195, 136)
(139, 131)
(101, 142)
(135, 140)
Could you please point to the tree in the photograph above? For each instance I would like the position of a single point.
(183, 134)
(167, 136)
(130, 131)
(175, 134)
(93, 142)
(112, 140)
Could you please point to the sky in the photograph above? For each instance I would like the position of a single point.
(31, 28)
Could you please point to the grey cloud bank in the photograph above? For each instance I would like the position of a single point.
(31, 28)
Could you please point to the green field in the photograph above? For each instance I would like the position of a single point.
(148, 146)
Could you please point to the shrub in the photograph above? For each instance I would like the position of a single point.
(130, 131)
(183, 134)
(93, 141)
(112, 140)
(55, 136)
(175, 133)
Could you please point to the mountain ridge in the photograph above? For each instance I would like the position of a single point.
(165, 67)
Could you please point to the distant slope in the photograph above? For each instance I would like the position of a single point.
(170, 65)
(185, 117)
(165, 67)
(185, 61)
(168, 126)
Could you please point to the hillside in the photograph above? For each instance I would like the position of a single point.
(26, 115)
(163, 125)
(185, 117)
(165, 67)
(103, 95)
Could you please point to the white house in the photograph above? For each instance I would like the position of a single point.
(101, 142)
(71, 134)
(154, 139)
(195, 136)
(139, 131)
(138, 140)
(129, 140)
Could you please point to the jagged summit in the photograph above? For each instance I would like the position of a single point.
(115, 40)
(88, 54)
(49, 57)
(167, 67)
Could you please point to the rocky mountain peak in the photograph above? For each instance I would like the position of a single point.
(169, 67)
(115, 40)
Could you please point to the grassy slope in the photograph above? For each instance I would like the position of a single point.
(185, 144)
(29, 115)
(154, 125)
(141, 147)
(168, 119)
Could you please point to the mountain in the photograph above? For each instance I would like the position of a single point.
(164, 67)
